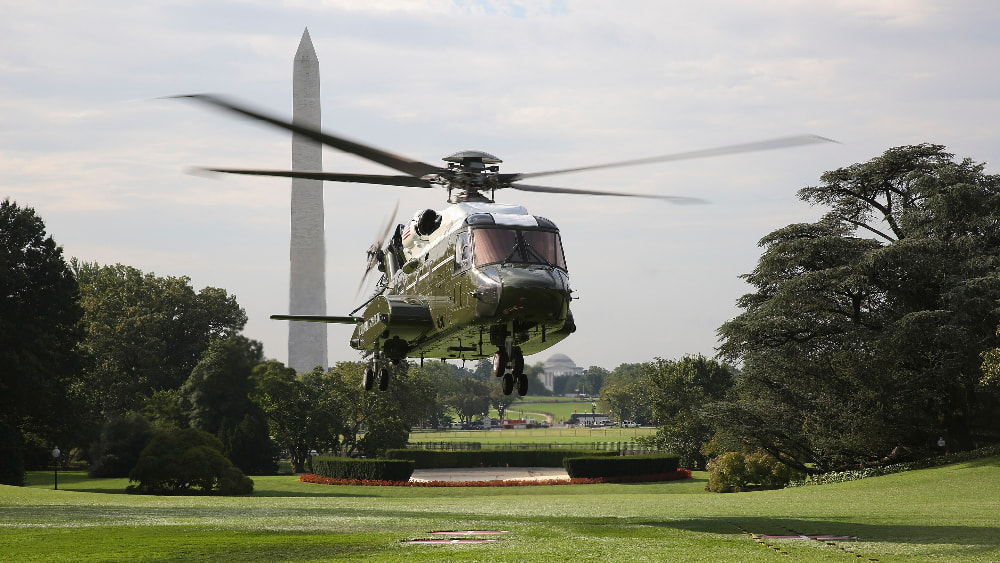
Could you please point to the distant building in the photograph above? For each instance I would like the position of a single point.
(558, 365)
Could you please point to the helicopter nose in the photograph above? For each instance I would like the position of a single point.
(536, 295)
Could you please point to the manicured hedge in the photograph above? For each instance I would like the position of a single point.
(428, 459)
(367, 469)
(593, 466)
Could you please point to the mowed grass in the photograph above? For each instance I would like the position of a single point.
(571, 436)
(944, 514)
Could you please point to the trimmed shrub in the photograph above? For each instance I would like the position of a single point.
(188, 461)
(363, 469)
(733, 472)
(620, 466)
(428, 459)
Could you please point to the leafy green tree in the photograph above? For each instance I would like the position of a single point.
(593, 380)
(681, 394)
(39, 332)
(146, 333)
(470, 399)
(217, 396)
(626, 400)
(500, 401)
(372, 422)
(443, 377)
(299, 411)
(122, 441)
(866, 330)
(164, 410)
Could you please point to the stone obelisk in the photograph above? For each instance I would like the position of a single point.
(307, 282)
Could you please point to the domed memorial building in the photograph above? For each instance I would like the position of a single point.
(558, 365)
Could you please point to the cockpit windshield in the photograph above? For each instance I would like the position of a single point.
(518, 246)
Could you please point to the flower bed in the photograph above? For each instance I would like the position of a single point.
(672, 476)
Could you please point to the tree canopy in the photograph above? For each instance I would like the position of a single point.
(866, 329)
(39, 328)
(145, 333)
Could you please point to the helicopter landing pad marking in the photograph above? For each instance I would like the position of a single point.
(450, 541)
(471, 532)
(809, 537)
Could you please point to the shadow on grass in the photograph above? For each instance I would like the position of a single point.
(889, 533)
(268, 486)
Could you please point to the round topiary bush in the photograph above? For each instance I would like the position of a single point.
(187, 461)
(733, 472)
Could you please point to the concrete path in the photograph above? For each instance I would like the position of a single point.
(490, 474)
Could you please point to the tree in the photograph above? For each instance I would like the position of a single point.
(372, 422)
(680, 396)
(470, 399)
(500, 401)
(217, 396)
(298, 409)
(120, 445)
(866, 329)
(39, 333)
(625, 394)
(146, 333)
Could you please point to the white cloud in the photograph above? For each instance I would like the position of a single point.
(84, 139)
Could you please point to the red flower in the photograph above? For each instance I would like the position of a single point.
(672, 476)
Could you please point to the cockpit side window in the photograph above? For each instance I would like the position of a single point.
(463, 251)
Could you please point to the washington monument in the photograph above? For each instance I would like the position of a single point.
(307, 280)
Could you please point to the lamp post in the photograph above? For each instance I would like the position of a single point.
(55, 457)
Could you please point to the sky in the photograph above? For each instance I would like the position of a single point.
(90, 139)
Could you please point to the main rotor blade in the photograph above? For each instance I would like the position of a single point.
(318, 319)
(409, 181)
(671, 198)
(770, 144)
(396, 162)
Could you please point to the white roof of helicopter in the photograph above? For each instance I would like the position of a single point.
(503, 214)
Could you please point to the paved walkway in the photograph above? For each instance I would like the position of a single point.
(489, 474)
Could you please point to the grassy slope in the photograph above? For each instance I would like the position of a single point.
(950, 513)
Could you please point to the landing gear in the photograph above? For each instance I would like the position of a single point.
(380, 369)
(368, 380)
(383, 378)
(522, 385)
(516, 374)
(500, 362)
(508, 383)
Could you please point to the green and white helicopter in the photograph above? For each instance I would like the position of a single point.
(474, 280)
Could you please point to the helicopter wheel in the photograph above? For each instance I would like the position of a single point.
(500, 363)
(518, 361)
(368, 380)
(383, 378)
(522, 384)
(508, 384)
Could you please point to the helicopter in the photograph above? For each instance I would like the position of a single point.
(478, 279)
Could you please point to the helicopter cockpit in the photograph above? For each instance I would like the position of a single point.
(518, 246)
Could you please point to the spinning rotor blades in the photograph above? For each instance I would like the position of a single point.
(770, 144)
(423, 175)
(375, 250)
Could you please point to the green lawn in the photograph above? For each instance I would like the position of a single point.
(561, 408)
(571, 436)
(950, 513)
